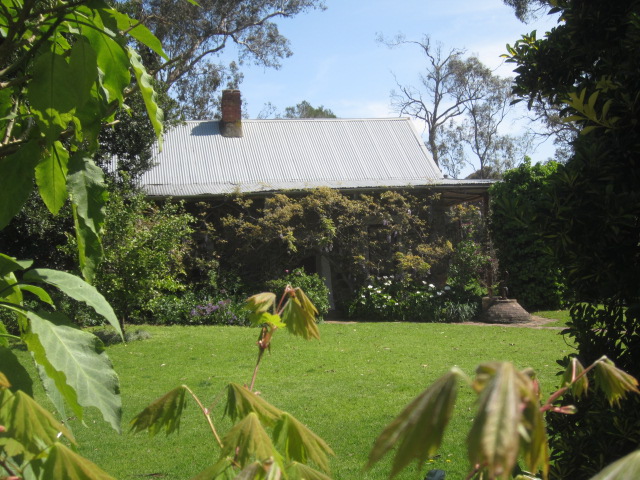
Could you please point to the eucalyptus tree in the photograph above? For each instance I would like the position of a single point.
(462, 104)
(198, 40)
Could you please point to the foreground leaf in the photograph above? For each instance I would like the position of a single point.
(156, 115)
(89, 196)
(81, 358)
(241, 402)
(65, 464)
(299, 318)
(261, 302)
(298, 471)
(613, 382)
(163, 413)
(222, 470)
(77, 289)
(29, 423)
(16, 181)
(266, 470)
(51, 177)
(300, 444)
(420, 426)
(248, 441)
(533, 435)
(628, 467)
(258, 319)
(579, 387)
(494, 437)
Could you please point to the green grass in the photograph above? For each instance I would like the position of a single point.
(346, 388)
(561, 317)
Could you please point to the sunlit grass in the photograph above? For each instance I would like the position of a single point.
(561, 317)
(346, 388)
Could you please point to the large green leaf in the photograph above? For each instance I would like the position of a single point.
(89, 196)
(9, 264)
(163, 413)
(63, 463)
(241, 402)
(300, 444)
(156, 115)
(29, 423)
(420, 426)
(51, 177)
(248, 441)
(77, 289)
(16, 181)
(81, 358)
(83, 67)
(627, 468)
(494, 436)
(298, 471)
(111, 57)
(14, 371)
(137, 30)
(51, 100)
(54, 381)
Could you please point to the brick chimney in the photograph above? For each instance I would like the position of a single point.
(231, 122)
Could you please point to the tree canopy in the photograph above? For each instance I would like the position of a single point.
(462, 105)
(302, 110)
(588, 67)
(195, 38)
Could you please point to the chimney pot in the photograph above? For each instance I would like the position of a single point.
(231, 106)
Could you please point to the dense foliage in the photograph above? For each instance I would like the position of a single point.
(361, 237)
(65, 69)
(590, 65)
(529, 270)
(312, 285)
(145, 249)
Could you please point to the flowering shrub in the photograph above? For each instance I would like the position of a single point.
(198, 309)
(390, 299)
(216, 313)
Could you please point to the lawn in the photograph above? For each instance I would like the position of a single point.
(346, 388)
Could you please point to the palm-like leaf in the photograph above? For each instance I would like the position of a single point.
(420, 426)
(163, 413)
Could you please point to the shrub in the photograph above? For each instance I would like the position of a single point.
(518, 202)
(389, 299)
(145, 249)
(197, 309)
(312, 284)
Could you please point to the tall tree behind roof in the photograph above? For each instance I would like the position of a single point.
(195, 36)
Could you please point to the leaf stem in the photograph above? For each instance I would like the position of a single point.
(475, 470)
(206, 414)
(8, 335)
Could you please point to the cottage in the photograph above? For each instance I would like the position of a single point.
(204, 160)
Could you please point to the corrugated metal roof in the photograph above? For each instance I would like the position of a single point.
(278, 155)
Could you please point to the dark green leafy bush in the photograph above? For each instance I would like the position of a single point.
(529, 269)
(311, 284)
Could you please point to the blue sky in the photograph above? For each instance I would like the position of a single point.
(337, 62)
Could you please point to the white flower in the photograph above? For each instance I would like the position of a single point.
(370, 287)
(431, 285)
(447, 288)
